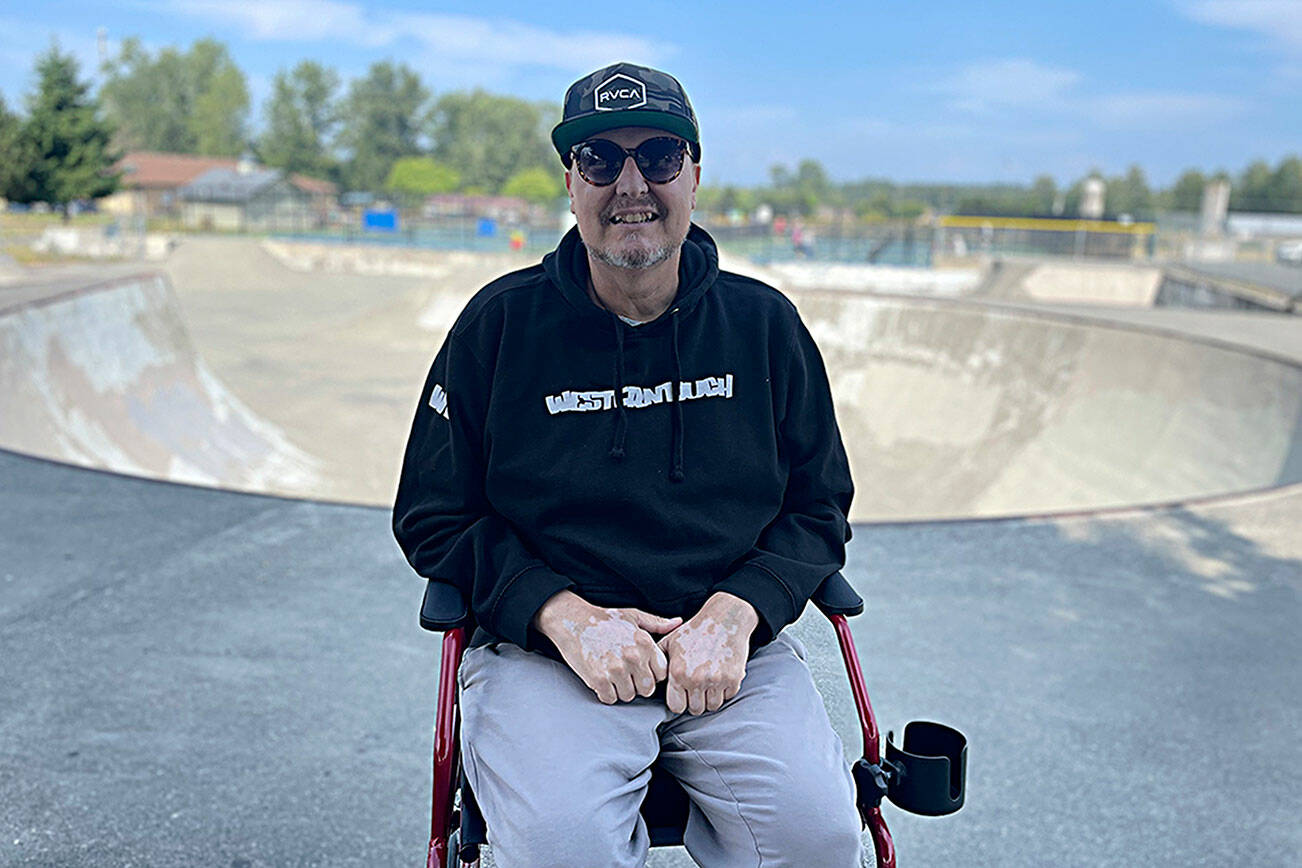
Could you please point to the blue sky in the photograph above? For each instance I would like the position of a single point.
(928, 91)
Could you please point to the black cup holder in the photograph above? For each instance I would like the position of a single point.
(930, 769)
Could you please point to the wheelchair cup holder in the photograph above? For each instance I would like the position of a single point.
(928, 772)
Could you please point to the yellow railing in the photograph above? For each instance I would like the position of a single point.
(1044, 224)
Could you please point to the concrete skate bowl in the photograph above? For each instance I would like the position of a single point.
(105, 376)
(952, 409)
(949, 408)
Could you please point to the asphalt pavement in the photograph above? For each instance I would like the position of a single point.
(200, 677)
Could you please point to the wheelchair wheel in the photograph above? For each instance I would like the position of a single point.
(454, 852)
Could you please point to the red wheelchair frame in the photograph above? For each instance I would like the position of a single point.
(925, 776)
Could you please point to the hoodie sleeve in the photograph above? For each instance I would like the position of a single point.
(442, 519)
(805, 543)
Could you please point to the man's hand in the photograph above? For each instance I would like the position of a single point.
(707, 655)
(610, 649)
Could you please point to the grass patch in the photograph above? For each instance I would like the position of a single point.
(34, 224)
(26, 256)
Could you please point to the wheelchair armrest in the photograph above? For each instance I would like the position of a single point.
(836, 597)
(443, 608)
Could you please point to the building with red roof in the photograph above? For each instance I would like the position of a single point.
(152, 181)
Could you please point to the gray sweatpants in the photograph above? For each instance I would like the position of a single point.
(560, 776)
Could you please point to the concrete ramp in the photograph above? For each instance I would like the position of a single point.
(954, 409)
(105, 376)
(1071, 282)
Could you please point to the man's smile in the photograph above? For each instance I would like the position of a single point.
(636, 217)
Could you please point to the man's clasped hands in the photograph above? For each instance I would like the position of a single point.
(617, 654)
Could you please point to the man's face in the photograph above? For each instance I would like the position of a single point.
(601, 210)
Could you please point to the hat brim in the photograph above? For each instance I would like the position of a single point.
(569, 133)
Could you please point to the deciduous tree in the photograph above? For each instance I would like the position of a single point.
(1251, 191)
(489, 137)
(1286, 186)
(1129, 194)
(221, 101)
(421, 176)
(537, 185)
(1187, 193)
(301, 117)
(384, 114)
(193, 102)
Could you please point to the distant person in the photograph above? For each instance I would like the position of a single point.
(802, 241)
(628, 461)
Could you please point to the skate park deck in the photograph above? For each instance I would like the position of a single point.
(197, 675)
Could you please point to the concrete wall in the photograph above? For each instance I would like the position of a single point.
(953, 409)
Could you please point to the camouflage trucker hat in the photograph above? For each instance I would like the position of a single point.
(625, 95)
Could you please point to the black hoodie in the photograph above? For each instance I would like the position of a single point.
(524, 477)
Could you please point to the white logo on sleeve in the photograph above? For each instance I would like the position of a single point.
(438, 400)
(636, 397)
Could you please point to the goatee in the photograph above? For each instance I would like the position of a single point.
(633, 259)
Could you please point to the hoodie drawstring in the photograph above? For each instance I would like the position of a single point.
(676, 468)
(619, 435)
(621, 414)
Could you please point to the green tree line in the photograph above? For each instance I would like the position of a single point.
(383, 132)
(386, 131)
(806, 189)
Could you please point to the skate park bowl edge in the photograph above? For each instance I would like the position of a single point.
(955, 409)
(949, 408)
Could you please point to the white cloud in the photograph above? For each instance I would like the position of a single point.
(290, 20)
(1278, 20)
(1044, 97)
(1158, 110)
(1007, 82)
(479, 41)
(512, 43)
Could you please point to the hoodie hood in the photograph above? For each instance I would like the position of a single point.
(698, 268)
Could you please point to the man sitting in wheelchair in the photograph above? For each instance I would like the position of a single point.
(628, 462)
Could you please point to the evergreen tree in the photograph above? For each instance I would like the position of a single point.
(15, 157)
(69, 141)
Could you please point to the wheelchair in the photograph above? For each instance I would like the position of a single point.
(925, 774)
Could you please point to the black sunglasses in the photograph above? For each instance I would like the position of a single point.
(600, 161)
